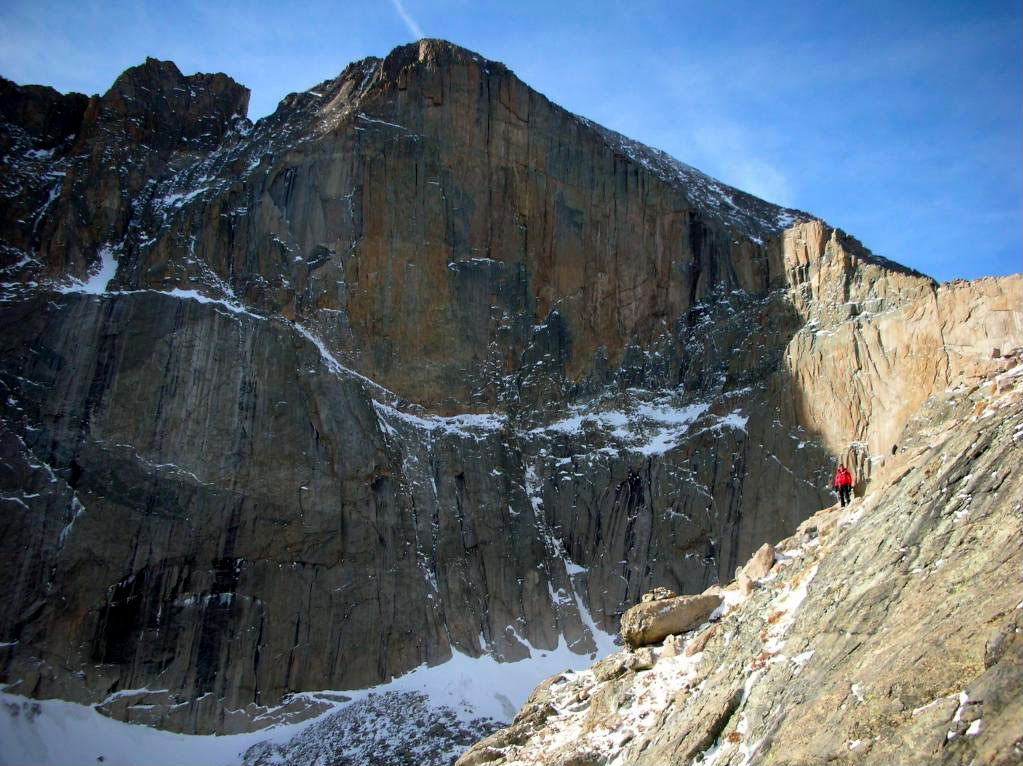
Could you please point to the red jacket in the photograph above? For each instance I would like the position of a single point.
(843, 478)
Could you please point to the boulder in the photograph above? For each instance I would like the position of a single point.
(650, 622)
(760, 563)
(620, 663)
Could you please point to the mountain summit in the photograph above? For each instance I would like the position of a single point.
(419, 368)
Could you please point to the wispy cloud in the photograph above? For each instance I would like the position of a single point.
(413, 27)
(731, 155)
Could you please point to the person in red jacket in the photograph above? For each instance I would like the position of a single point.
(843, 484)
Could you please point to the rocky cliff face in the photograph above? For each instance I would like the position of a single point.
(419, 364)
(890, 631)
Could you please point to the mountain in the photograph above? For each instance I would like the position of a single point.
(420, 367)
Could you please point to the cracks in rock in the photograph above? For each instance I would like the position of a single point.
(941, 335)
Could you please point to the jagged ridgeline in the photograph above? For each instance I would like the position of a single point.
(421, 364)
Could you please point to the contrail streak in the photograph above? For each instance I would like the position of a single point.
(410, 22)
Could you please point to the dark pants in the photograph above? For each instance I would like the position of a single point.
(843, 495)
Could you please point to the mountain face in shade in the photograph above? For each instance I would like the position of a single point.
(420, 364)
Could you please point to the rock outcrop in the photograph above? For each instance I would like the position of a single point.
(419, 364)
(887, 632)
(878, 341)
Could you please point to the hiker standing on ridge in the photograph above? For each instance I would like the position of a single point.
(843, 484)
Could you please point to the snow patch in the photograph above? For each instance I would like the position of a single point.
(649, 428)
(99, 276)
(180, 199)
(734, 420)
(194, 295)
(367, 118)
(467, 426)
(57, 732)
(801, 659)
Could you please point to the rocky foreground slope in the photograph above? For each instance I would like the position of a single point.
(890, 631)
(419, 366)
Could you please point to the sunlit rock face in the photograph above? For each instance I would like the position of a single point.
(420, 363)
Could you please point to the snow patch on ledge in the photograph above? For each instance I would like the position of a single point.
(458, 425)
(335, 366)
(99, 284)
(100, 275)
(233, 306)
(648, 428)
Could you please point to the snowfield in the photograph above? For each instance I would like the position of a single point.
(470, 688)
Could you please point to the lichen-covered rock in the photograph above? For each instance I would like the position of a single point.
(700, 641)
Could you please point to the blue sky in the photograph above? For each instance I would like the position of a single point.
(899, 122)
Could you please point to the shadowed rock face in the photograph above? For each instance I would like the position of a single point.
(81, 171)
(201, 532)
(419, 363)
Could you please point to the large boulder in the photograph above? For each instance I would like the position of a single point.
(756, 568)
(760, 563)
(652, 621)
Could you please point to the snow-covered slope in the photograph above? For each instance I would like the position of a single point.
(427, 716)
